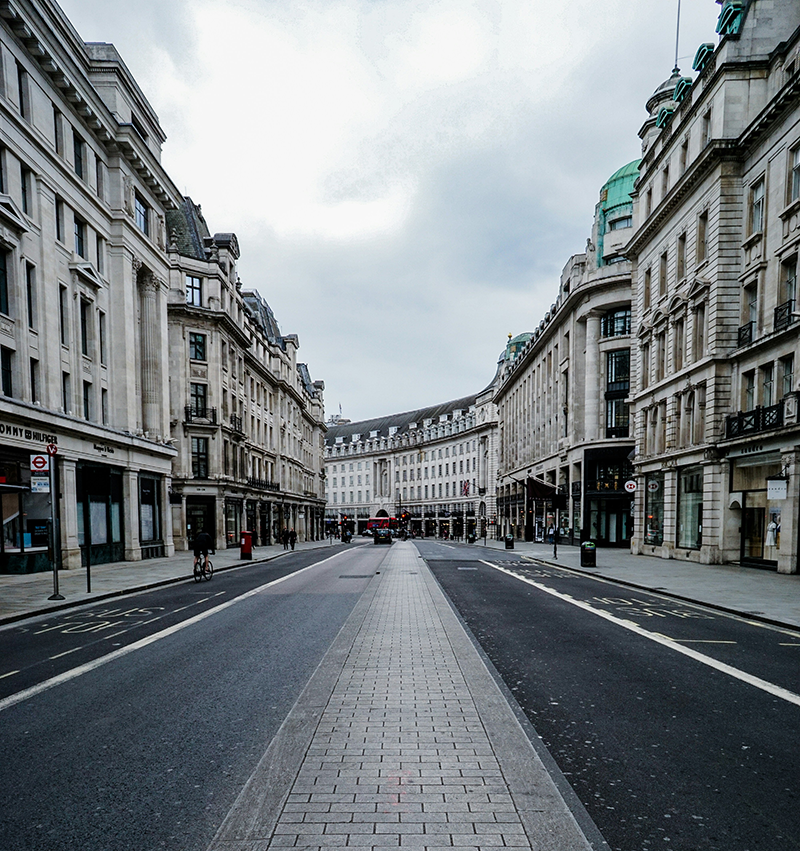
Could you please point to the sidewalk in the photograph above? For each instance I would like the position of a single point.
(401, 739)
(22, 596)
(761, 594)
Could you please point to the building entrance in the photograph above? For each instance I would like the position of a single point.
(609, 522)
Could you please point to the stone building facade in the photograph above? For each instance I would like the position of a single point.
(432, 470)
(715, 264)
(562, 395)
(86, 277)
(247, 420)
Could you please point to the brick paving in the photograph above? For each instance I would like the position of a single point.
(401, 755)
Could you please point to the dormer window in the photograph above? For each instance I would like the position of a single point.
(615, 224)
(701, 58)
(730, 18)
(682, 89)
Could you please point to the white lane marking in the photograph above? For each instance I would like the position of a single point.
(9, 674)
(769, 688)
(75, 649)
(66, 676)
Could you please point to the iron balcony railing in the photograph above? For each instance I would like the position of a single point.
(197, 413)
(746, 334)
(755, 421)
(783, 315)
(236, 424)
(262, 484)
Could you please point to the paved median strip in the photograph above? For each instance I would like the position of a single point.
(414, 744)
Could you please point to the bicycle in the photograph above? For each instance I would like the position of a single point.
(203, 568)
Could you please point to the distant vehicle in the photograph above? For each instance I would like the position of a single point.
(382, 536)
(381, 523)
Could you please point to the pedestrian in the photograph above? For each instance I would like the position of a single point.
(285, 537)
(292, 538)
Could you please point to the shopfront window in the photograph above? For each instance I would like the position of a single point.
(25, 518)
(233, 522)
(654, 509)
(690, 508)
(149, 513)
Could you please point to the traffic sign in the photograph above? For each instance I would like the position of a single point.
(40, 484)
(52, 449)
(630, 486)
(40, 463)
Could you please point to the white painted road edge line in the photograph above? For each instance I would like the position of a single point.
(769, 688)
(66, 676)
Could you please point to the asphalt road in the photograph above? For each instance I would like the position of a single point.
(665, 750)
(133, 724)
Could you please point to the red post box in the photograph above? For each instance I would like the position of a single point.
(246, 551)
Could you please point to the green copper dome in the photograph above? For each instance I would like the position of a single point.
(617, 189)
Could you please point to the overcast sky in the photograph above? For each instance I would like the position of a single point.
(406, 178)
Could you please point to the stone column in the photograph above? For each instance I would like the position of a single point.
(68, 514)
(149, 286)
(594, 389)
(788, 553)
(166, 517)
(130, 515)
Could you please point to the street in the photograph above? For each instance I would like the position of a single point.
(664, 750)
(135, 723)
(150, 750)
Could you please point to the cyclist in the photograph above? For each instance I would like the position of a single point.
(202, 544)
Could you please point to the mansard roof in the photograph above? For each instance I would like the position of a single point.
(381, 425)
(187, 230)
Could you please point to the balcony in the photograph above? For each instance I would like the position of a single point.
(200, 414)
(618, 431)
(236, 424)
(783, 315)
(746, 334)
(262, 484)
(753, 422)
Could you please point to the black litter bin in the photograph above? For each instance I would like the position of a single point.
(588, 554)
(471, 539)
(509, 539)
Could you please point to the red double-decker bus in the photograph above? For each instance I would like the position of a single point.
(382, 523)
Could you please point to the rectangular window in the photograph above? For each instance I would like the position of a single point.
(654, 509)
(794, 180)
(100, 249)
(86, 319)
(706, 129)
(616, 323)
(197, 346)
(787, 374)
(194, 291)
(22, 93)
(678, 344)
(767, 385)
(30, 288)
(59, 220)
(665, 181)
(78, 155)
(699, 331)
(618, 370)
(63, 314)
(200, 457)
(104, 405)
(702, 232)
(4, 264)
(142, 215)
(6, 372)
(80, 237)
(648, 281)
(757, 207)
(749, 391)
(100, 179)
(35, 380)
(680, 257)
(87, 400)
(684, 156)
(25, 189)
(199, 398)
(617, 418)
(66, 398)
(662, 274)
(690, 508)
(58, 131)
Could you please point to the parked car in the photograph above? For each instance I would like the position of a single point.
(382, 536)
